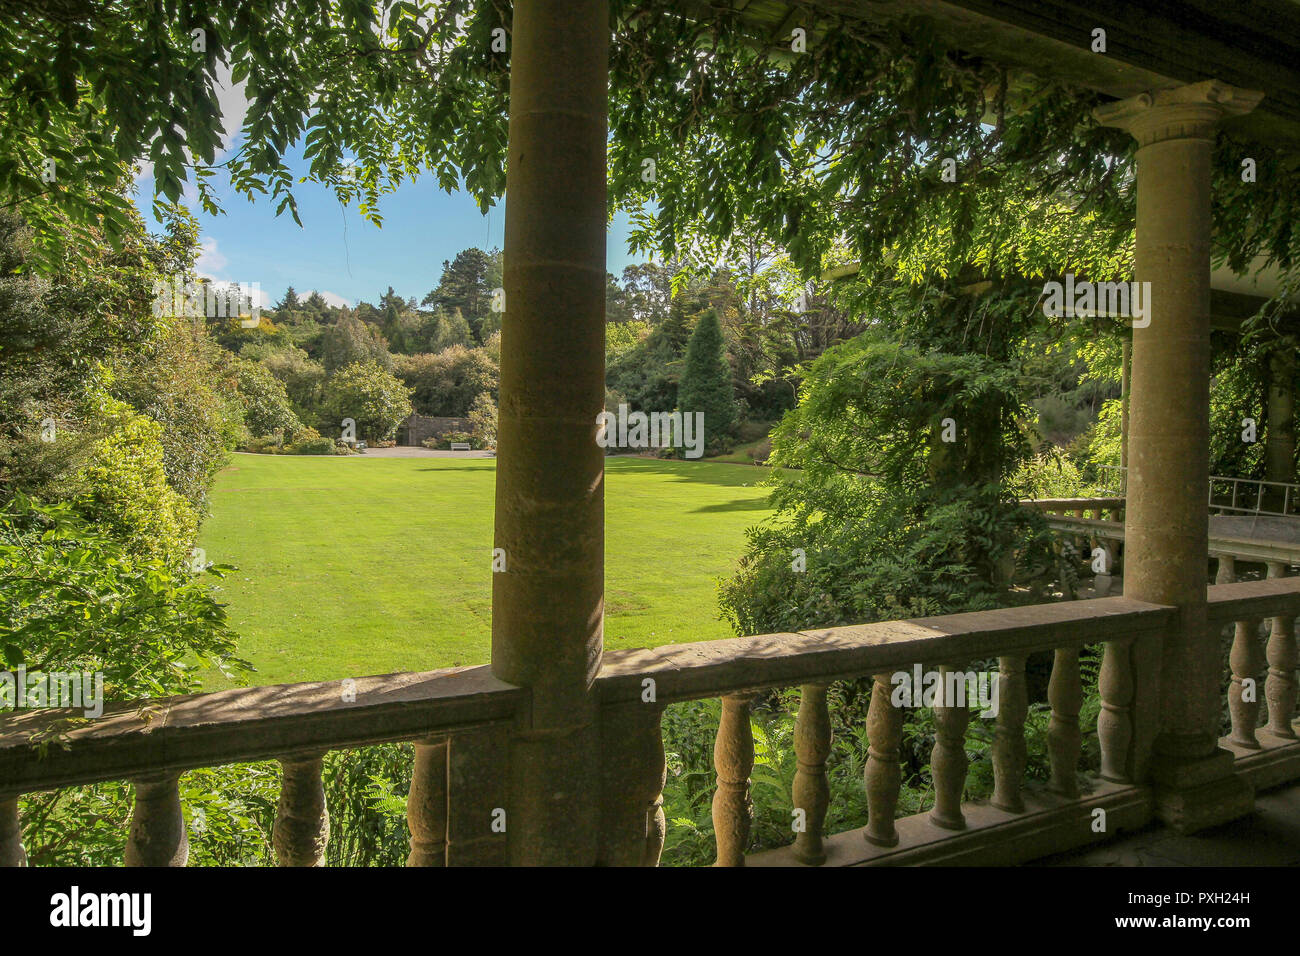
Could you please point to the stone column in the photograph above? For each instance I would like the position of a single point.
(1177, 703)
(1279, 441)
(547, 605)
(11, 834)
(1125, 367)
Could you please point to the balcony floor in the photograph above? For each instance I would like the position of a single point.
(1270, 837)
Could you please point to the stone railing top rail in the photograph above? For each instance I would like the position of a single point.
(244, 724)
(1246, 600)
(708, 669)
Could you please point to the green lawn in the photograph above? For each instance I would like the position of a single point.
(354, 566)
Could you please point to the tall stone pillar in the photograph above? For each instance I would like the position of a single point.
(1177, 701)
(1279, 446)
(1124, 389)
(547, 603)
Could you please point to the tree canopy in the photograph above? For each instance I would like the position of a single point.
(843, 144)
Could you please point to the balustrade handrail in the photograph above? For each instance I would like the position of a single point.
(1248, 600)
(713, 668)
(246, 724)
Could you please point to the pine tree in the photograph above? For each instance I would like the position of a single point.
(316, 304)
(464, 286)
(706, 382)
(393, 329)
(290, 301)
(675, 330)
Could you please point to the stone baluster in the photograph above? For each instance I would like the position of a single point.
(1115, 721)
(733, 760)
(948, 760)
(11, 834)
(302, 821)
(1225, 571)
(157, 833)
(883, 774)
(1009, 751)
(426, 804)
(656, 825)
(1246, 662)
(1104, 581)
(1064, 739)
(812, 791)
(1280, 687)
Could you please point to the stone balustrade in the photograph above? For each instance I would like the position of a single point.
(461, 721)
(1262, 683)
(737, 670)
(1015, 825)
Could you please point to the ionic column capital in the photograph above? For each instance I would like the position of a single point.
(1183, 112)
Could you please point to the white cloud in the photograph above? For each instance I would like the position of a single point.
(212, 262)
(211, 259)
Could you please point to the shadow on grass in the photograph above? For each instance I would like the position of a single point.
(458, 468)
(740, 504)
(723, 474)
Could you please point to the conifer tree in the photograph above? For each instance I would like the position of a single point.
(706, 381)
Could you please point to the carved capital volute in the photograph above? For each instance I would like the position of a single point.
(1184, 112)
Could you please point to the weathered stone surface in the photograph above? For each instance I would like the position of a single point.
(882, 775)
(948, 761)
(1064, 737)
(426, 804)
(1283, 656)
(992, 837)
(633, 770)
(548, 606)
(1115, 721)
(733, 760)
(1167, 524)
(247, 724)
(687, 671)
(11, 835)
(1269, 837)
(1010, 753)
(157, 835)
(302, 821)
(1253, 599)
(811, 789)
(480, 807)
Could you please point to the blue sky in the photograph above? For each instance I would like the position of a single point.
(340, 254)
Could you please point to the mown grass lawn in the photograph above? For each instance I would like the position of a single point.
(354, 566)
